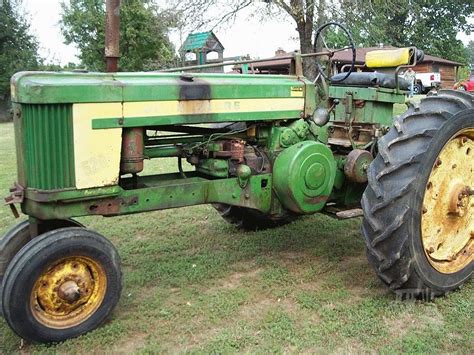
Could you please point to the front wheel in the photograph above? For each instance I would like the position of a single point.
(19, 235)
(61, 284)
(418, 206)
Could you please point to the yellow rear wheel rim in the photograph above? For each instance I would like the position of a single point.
(68, 292)
(447, 218)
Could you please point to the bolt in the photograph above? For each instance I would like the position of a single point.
(438, 162)
(424, 210)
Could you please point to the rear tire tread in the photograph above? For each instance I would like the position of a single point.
(385, 237)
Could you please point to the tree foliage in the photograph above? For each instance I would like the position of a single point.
(144, 44)
(18, 48)
(470, 52)
(431, 25)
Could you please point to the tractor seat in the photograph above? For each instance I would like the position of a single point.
(370, 79)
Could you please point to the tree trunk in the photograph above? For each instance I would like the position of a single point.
(305, 27)
(306, 46)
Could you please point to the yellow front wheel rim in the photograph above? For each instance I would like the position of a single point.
(447, 218)
(68, 292)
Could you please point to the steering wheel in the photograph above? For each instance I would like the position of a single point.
(351, 46)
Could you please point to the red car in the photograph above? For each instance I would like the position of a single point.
(466, 85)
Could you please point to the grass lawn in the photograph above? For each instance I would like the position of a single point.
(193, 283)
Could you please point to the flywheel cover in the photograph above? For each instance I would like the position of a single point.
(304, 176)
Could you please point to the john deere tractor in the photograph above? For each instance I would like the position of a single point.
(264, 149)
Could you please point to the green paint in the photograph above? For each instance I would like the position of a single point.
(103, 123)
(64, 87)
(167, 191)
(214, 167)
(201, 58)
(196, 41)
(47, 147)
(303, 176)
(377, 106)
(68, 195)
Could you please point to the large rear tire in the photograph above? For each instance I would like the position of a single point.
(418, 205)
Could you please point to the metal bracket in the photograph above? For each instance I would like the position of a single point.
(17, 195)
(348, 103)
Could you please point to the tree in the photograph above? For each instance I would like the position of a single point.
(144, 44)
(431, 25)
(470, 52)
(18, 48)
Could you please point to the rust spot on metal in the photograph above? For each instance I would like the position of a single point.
(69, 291)
(359, 103)
(112, 34)
(232, 149)
(132, 151)
(17, 195)
(357, 163)
(317, 199)
(112, 206)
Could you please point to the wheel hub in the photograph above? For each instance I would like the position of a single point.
(448, 205)
(68, 292)
(459, 200)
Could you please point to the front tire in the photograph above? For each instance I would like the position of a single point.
(61, 285)
(19, 235)
(416, 241)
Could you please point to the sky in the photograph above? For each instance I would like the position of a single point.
(246, 35)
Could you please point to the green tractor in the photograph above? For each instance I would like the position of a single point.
(264, 149)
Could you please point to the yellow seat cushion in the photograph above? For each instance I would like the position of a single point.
(388, 58)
